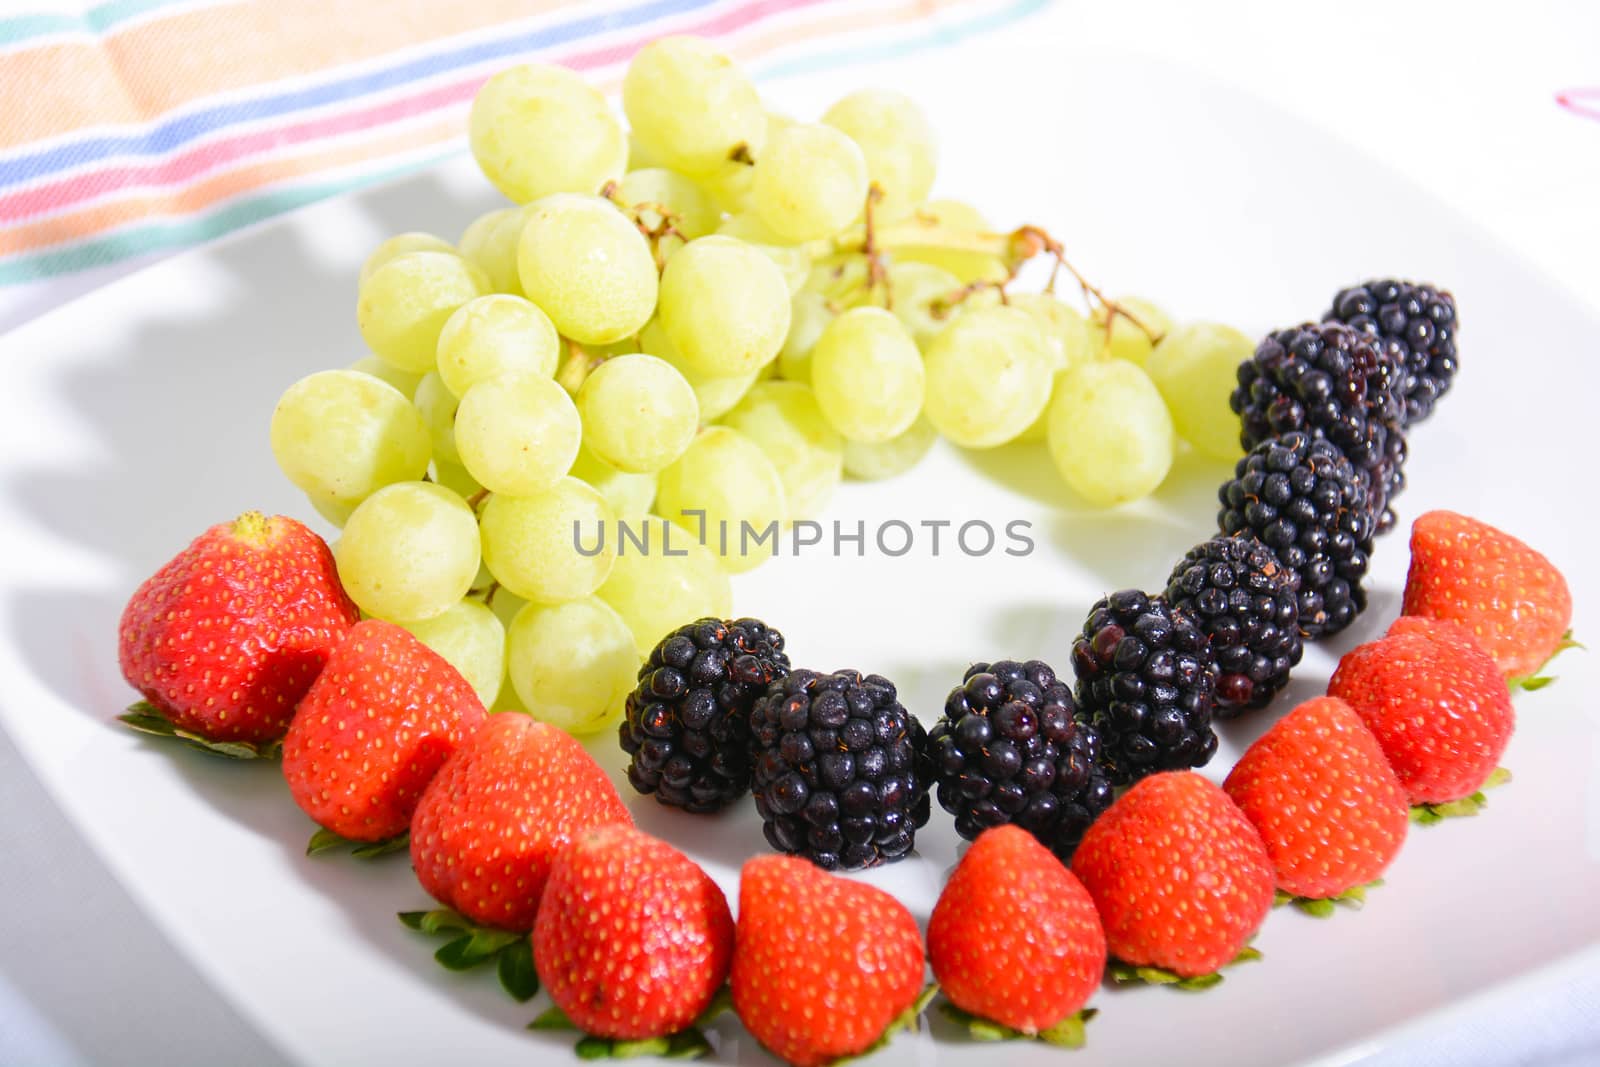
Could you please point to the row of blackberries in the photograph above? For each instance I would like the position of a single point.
(841, 772)
(1323, 411)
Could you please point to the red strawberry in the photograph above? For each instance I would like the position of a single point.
(491, 822)
(821, 965)
(227, 637)
(632, 939)
(383, 716)
(1324, 799)
(1178, 874)
(1014, 937)
(1438, 706)
(1511, 597)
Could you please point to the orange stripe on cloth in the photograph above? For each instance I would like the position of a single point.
(152, 68)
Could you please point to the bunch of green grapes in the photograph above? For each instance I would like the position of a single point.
(688, 325)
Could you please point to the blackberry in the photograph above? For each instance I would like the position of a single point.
(1333, 381)
(1244, 600)
(1146, 680)
(1300, 496)
(836, 769)
(687, 724)
(1418, 322)
(1008, 750)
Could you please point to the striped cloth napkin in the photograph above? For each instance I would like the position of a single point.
(136, 128)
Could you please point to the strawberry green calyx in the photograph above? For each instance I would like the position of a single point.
(325, 840)
(146, 718)
(1353, 898)
(1068, 1033)
(1429, 814)
(909, 1021)
(1528, 683)
(689, 1043)
(1128, 973)
(471, 946)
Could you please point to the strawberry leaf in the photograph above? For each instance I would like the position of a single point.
(326, 840)
(1353, 898)
(552, 1018)
(1468, 806)
(515, 967)
(146, 718)
(721, 1001)
(687, 1044)
(1127, 973)
(1068, 1033)
(472, 949)
(1529, 683)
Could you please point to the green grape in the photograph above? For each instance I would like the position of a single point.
(572, 664)
(809, 315)
(792, 261)
(920, 295)
(989, 376)
(868, 375)
(403, 380)
(1195, 366)
(404, 305)
(472, 640)
(1070, 340)
(627, 494)
(334, 511)
(639, 413)
(408, 552)
(536, 545)
(399, 245)
(724, 307)
(840, 279)
(1110, 434)
(662, 579)
(505, 604)
(588, 267)
(690, 107)
(967, 266)
(731, 183)
(517, 434)
(454, 477)
(874, 462)
(495, 335)
(491, 242)
(729, 478)
(341, 435)
(810, 182)
(640, 157)
(897, 141)
(652, 190)
(713, 395)
(538, 129)
(783, 419)
(437, 406)
(1128, 341)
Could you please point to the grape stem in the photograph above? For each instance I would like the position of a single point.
(576, 368)
(1012, 249)
(877, 273)
(477, 498)
(655, 234)
(944, 305)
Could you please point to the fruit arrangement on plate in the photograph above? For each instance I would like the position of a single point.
(579, 421)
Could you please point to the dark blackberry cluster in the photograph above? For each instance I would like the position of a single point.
(1300, 496)
(687, 724)
(1146, 681)
(1333, 381)
(1008, 750)
(1244, 600)
(1417, 323)
(837, 761)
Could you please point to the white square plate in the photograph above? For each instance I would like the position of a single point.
(138, 416)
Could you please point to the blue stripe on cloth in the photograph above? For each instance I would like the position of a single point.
(179, 131)
(99, 19)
